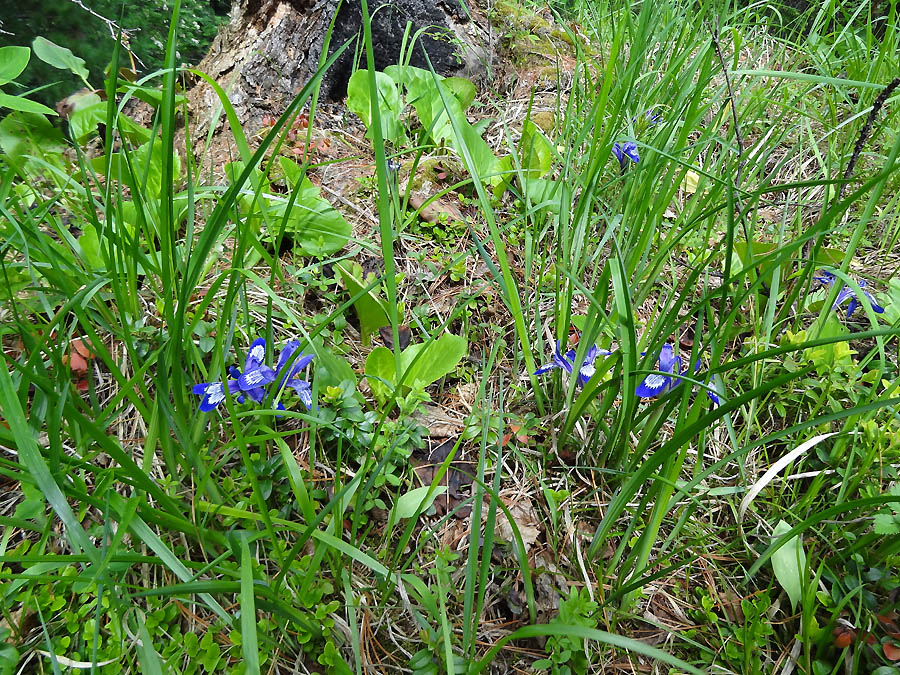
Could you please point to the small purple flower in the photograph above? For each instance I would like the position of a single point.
(625, 151)
(289, 367)
(828, 278)
(656, 383)
(567, 362)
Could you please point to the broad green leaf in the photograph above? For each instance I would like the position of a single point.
(439, 358)
(462, 89)
(150, 95)
(892, 306)
(545, 194)
(389, 103)
(827, 357)
(88, 112)
(381, 372)
(432, 114)
(503, 175)
(789, 563)
(148, 160)
(369, 308)
(12, 62)
(89, 242)
(331, 370)
(25, 134)
(535, 151)
(314, 225)
(133, 131)
(416, 81)
(886, 524)
(410, 502)
(59, 57)
(24, 105)
(293, 172)
(249, 204)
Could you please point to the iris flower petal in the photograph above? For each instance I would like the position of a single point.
(256, 378)
(256, 354)
(656, 383)
(304, 391)
(213, 393)
(653, 385)
(567, 362)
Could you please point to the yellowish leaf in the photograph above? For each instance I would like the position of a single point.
(690, 182)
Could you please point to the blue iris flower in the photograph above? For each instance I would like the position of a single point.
(567, 362)
(289, 367)
(656, 383)
(213, 393)
(650, 115)
(251, 382)
(828, 278)
(625, 151)
(257, 376)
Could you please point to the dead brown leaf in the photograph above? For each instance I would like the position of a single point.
(525, 518)
(438, 423)
(387, 336)
(457, 477)
(436, 210)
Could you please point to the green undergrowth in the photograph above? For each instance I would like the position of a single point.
(608, 409)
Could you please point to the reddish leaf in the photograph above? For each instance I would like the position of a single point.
(83, 385)
(843, 637)
(76, 362)
(891, 651)
(80, 347)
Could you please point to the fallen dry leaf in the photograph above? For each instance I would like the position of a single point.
(525, 518)
(843, 636)
(438, 423)
(457, 477)
(387, 336)
(891, 651)
(79, 355)
(435, 210)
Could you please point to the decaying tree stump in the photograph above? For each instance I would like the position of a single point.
(270, 48)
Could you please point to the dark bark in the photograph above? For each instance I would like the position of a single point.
(270, 49)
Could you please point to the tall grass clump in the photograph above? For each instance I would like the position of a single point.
(663, 329)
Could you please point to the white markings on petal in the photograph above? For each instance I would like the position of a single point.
(655, 381)
(253, 378)
(215, 394)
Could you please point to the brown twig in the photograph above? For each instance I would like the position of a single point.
(714, 30)
(877, 105)
(742, 212)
